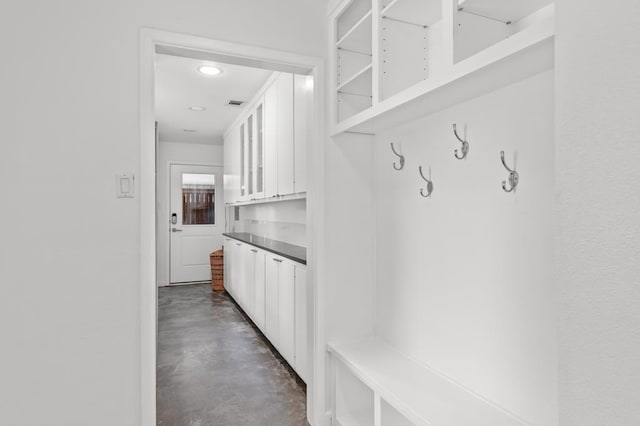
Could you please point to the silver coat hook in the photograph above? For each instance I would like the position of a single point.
(429, 183)
(465, 145)
(401, 158)
(514, 178)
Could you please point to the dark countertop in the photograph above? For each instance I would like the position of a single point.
(290, 251)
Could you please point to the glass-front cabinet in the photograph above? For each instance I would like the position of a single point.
(252, 154)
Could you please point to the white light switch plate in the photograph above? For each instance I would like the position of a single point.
(125, 185)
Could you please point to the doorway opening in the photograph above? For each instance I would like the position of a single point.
(195, 215)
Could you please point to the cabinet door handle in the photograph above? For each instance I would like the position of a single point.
(254, 250)
(277, 260)
(238, 244)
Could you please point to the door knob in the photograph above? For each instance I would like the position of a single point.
(176, 230)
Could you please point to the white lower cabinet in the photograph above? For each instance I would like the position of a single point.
(301, 331)
(286, 311)
(271, 298)
(239, 273)
(249, 254)
(272, 290)
(259, 289)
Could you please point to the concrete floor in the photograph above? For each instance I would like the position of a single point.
(215, 368)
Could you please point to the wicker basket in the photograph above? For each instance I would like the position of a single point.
(217, 270)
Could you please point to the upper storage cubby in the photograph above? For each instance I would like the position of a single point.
(479, 24)
(354, 58)
(397, 60)
(410, 43)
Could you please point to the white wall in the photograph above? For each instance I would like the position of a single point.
(598, 202)
(175, 152)
(69, 311)
(465, 278)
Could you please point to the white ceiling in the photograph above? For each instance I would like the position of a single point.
(179, 85)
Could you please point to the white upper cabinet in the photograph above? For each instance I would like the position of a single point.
(395, 60)
(258, 151)
(284, 117)
(242, 160)
(270, 142)
(270, 151)
(302, 90)
(232, 166)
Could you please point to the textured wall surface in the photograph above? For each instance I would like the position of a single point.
(69, 260)
(598, 205)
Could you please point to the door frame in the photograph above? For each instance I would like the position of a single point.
(151, 39)
(167, 251)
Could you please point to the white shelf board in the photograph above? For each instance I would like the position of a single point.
(421, 394)
(274, 199)
(358, 28)
(354, 78)
(511, 10)
(522, 55)
(423, 12)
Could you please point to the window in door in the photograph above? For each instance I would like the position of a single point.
(198, 199)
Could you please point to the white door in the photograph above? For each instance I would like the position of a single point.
(196, 221)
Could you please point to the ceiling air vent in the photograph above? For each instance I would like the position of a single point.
(233, 103)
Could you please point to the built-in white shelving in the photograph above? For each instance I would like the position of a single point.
(359, 36)
(371, 375)
(426, 57)
(354, 58)
(351, 85)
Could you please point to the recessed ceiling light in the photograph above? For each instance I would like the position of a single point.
(197, 108)
(190, 130)
(209, 70)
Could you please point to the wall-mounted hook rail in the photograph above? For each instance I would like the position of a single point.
(429, 183)
(465, 145)
(400, 156)
(514, 178)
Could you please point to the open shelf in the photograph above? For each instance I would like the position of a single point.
(421, 12)
(415, 394)
(353, 399)
(354, 95)
(426, 60)
(479, 24)
(358, 38)
(522, 55)
(352, 17)
(409, 40)
(354, 52)
(357, 83)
